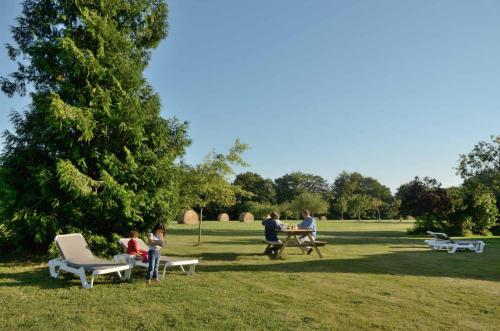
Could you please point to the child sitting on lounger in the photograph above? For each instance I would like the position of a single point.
(155, 243)
(133, 247)
(271, 225)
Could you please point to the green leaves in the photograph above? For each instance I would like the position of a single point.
(314, 202)
(75, 182)
(92, 153)
(73, 117)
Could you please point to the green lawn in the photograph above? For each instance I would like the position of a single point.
(373, 276)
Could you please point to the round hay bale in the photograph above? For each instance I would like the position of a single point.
(322, 218)
(188, 217)
(246, 217)
(223, 217)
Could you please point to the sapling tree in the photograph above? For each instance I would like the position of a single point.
(209, 182)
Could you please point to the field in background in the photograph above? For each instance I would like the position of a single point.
(373, 276)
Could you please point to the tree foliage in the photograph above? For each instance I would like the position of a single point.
(480, 206)
(341, 205)
(482, 165)
(348, 186)
(470, 208)
(314, 202)
(91, 153)
(261, 209)
(359, 204)
(263, 190)
(424, 198)
(293, 184)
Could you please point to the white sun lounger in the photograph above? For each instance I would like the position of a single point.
(76, 257)
(441, 241)
(167, 261)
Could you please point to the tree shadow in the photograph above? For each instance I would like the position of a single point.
(39, 276)
(227, 256)
(235, 242)
(217, 232)
(467, 265)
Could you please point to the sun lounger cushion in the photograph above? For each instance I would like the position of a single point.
(73, 248)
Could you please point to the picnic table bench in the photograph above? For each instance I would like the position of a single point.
(292, 240)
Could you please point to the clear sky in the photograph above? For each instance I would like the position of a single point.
(391, 89)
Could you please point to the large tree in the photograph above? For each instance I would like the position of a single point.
(263, 190)
(91, 153)
(293, 184)
(482, 165)
(423, 198)
(314, 202)
(346, 185)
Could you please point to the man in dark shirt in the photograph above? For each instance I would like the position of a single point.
(271, 225)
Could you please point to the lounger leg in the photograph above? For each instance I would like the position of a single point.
(191, 269)
(92, 280)
(164, 270)
(122, 259)
(481, 247)
(83, 278)
(182, 268)
(53, 264)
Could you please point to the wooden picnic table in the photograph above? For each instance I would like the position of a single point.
(294, 234)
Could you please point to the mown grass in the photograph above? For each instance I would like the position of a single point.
(373, 276)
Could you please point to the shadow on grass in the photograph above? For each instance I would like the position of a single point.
(40, 277)
(217, 232)
(333, 237)
(227, 256)
(467, 265)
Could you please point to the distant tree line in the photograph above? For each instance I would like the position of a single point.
(350, 196)
(469, 208)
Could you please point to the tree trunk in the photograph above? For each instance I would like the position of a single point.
(342, 215)
(378, 211)
(199, 226)
(359, 216)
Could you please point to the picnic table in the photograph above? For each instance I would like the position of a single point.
(294, 234)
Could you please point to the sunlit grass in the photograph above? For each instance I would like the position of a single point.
(373, 276)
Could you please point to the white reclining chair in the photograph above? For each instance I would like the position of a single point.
(441, 241)
(76, 257)
(167, 261)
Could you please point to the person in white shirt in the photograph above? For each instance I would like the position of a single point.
(155, 243)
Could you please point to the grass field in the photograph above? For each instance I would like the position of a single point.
(373, 276)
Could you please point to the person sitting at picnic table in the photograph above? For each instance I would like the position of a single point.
(271, 225)
(308, 223)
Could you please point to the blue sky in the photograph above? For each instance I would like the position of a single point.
(391, 89)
